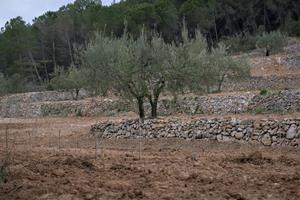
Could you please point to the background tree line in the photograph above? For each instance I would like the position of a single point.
(29, 54)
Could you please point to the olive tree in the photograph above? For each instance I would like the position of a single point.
(272, 42)
(223, 65)
(118, 67)
(143, 68)
(136, 69)
(159, 70)
(191, 63)
(201, 69)
(72, 79)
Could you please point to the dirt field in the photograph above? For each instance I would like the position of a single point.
(57, 159)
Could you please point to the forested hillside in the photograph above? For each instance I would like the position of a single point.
(29, 53)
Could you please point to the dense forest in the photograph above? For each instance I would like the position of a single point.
(29, 53)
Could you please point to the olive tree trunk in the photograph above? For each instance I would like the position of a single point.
(140, 102)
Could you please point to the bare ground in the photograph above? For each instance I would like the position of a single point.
(44, 165)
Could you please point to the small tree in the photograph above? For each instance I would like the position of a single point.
(272, 42)
(159, 70)
(71, 80)
(187, 61)
(202, 69)
(118, 63)
(224, 65)
(135, 68)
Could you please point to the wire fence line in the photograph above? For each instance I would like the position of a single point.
(63, 141)
(55, 141)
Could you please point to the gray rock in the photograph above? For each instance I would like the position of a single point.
(239, 135)
(266, 140)
(219, 138)
(225, 133)
(292, 132)
(274, 138)
(227, 139)
(233, 133)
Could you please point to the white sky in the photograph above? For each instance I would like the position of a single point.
(29, 9)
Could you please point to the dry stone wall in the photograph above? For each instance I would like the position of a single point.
(31, 104)
(259, 83)
(211, 104)
(268, 132)
(283, 101)
(32, 97)
(88, 107)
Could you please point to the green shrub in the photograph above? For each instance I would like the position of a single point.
(240, 43)
(4, 167)
(263, 92)
(273, 41)
(3, 173)
(292, 27)
(13, 84)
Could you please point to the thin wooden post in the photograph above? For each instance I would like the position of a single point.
(30, 144)
(140, 137)
(193, 141)
(6, 140)
(14, 141)
(96, 147)
(102, 146)
(77, 145)
(139, 148)
(49, 142)
(59, 140)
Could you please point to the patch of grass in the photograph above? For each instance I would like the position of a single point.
(263, 92)
(4, 168)
(258, 110)
(197, 111)
(79, 113)
(263, 110)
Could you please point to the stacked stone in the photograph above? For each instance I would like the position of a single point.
(259, 83)
(268, 132)
(286, 100)
(37, 105)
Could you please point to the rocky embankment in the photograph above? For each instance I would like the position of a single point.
(37, 105)
(268, 132)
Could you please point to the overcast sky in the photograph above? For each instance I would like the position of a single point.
(29, 9)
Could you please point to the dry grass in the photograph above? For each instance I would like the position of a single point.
(51, 167)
